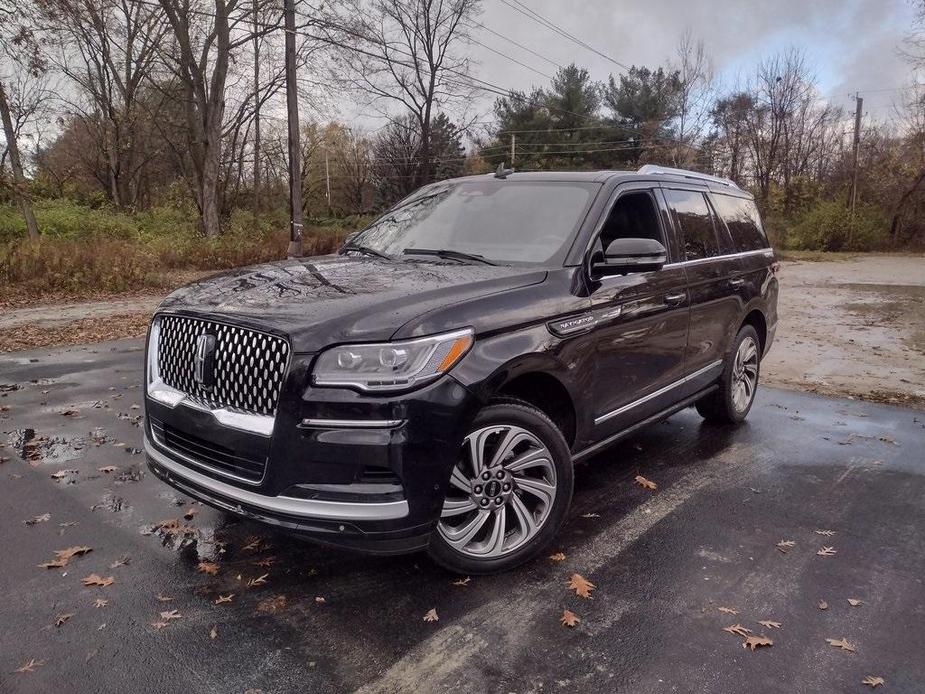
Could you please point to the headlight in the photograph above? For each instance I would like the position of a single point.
(391, 365)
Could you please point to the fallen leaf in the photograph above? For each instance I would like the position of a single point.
(62, 618)
(61, 474)
(843, 644)
(769, 624)
(784, 545)
(30, 665)
(121, 561)
(69, 413)
(854, 602)
(190, 512)
(738, 630)
(756, 641)
(254, 544)
(38, 519)
(728, 610)
(647, 484)
(569, 618)
(872, 681)
(259, 581)
(826, 552)
(107, 469)
(213, 632)
(558, 556)
(63, 556)
(320, 600)
(272, 605)
(171, 614)
(581, 585)
(163, 598)
(97, 580)
(173, 526)
(265, 563)
(100, 603)
(223, 598)
(823, 605)
(826, 533)
(431, 615)
(590, 515)
(462, 581)
(159, 625)
(208, 567)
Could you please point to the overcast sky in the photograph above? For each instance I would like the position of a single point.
(852, 45)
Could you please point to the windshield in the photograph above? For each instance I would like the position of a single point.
(503, 221)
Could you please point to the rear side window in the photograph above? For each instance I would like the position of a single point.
(696, 222)
(742, 219)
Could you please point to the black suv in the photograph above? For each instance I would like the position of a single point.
(431, 385)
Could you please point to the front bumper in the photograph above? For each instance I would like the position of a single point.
(313, 483)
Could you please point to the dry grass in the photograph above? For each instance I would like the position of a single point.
(75, 333)
(92, 267)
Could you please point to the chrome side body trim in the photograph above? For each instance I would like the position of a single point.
(769, 252)
(303, 508)
(660, 391)
(351, 423)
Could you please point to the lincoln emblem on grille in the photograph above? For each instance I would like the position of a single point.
(204, 361)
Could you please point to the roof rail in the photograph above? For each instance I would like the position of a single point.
(685, 173)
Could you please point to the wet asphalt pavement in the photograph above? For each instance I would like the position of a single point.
(664, 562)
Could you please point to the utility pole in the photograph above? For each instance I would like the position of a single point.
(859, 103)
(292, 113)
(327, 179)
(513, 146)
(256, 116)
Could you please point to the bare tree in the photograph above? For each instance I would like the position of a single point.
(18, 51)
(108, 49)
(695, 77)
(407, 51)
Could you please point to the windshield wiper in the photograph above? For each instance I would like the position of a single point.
(366, 250)
(449, 254)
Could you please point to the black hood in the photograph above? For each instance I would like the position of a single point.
(331, 299)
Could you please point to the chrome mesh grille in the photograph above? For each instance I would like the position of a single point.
(249, 366)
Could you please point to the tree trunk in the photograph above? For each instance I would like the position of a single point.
(897, 213)
(209, 193)
(19, 180)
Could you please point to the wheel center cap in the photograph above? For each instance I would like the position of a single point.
(493, 488)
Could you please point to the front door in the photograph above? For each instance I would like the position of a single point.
(641, 319)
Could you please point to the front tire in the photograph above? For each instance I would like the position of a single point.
(731, 403)
(509, 491)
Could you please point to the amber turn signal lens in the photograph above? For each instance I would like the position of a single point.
(459, 348)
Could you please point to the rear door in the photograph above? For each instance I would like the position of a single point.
(713, 274)
(641, 319)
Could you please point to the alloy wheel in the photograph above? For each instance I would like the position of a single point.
(745, 374)
(501, 492)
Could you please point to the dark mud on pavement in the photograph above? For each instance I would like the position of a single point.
(307, 619)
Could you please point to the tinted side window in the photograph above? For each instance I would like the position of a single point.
(742, 219)
(693, 215)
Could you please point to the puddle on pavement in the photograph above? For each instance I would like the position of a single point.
(112, 503)
(42, 449)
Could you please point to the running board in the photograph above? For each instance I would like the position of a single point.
(658, 416)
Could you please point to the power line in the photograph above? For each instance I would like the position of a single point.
(512, 59)
(519, 45)
(540, 19)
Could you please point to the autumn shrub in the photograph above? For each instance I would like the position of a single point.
(59, 218)
(828, 226)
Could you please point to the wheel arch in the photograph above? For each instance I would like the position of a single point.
(757, 320)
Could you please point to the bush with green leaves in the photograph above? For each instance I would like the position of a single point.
(827, 226)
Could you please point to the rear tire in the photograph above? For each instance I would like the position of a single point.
(509, 491)
(731, 403)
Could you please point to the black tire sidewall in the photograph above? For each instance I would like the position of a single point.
(536, 422)
(728, 380)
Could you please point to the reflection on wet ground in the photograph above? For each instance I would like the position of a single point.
(291, 616)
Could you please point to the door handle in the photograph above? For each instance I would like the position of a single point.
(675, 299)
(736, 283)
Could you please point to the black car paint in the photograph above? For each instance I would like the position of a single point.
(641, 337)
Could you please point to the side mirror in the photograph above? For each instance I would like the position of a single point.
(624, 256)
